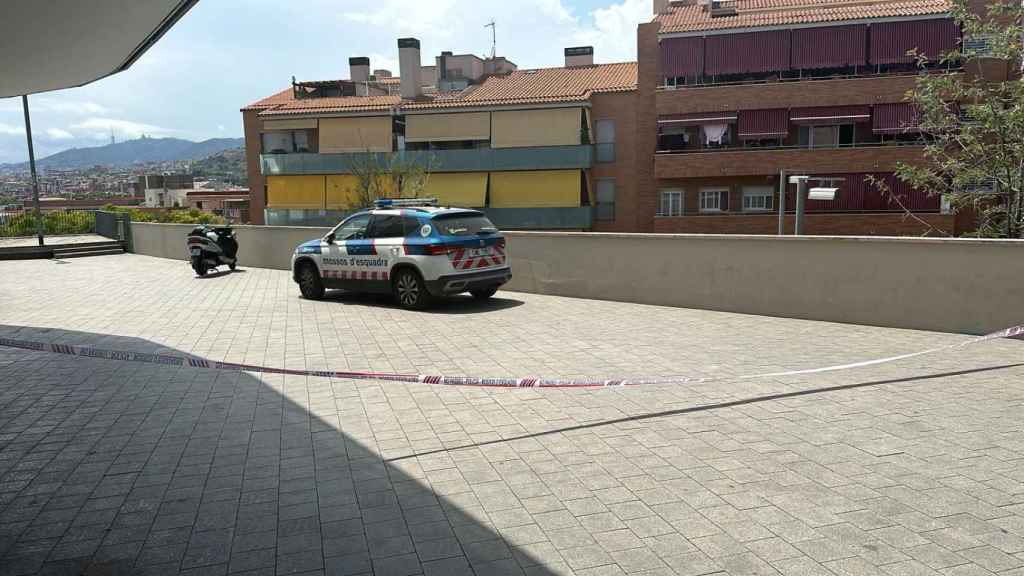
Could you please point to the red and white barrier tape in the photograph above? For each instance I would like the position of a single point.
(200, 363)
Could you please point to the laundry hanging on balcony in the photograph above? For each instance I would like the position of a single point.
(715, 133)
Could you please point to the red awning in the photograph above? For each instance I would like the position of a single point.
(824, 115)
(890, 41)
(748, 52)
(681, 57)
(830, 47)
(857, 193)
(895, 118)
(763, 124)
(698, 118)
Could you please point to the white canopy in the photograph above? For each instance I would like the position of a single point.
(52, 44)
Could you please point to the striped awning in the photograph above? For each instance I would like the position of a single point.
(898, 118)
(763, 124)
(890, 41)
(830, 47)
(745, 53)
(681, 57)
(830, 115)
(698, 118)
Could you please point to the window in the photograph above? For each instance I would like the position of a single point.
(386, 227)
(466, 224)
(757, 199)
(671, 203)
(827, 136)
(288, 141)
(674, 136)
(411, 226)
(354, 227)
(605, 207)
(605, 140)
(199, 205)
(716, 200)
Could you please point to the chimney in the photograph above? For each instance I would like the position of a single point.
(409, 67)
(579, 56)
(660, 6)
(359, 69)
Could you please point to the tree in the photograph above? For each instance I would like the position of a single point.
(383, 175)
(973, 127)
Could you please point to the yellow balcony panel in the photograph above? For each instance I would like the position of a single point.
(357, 134)
(295, 192)
(461, 190)
(448, 127)
(539, 189)
(543, 127)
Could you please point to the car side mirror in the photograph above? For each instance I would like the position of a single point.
(329, 238)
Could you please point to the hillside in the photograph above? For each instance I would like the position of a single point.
(141, 151)
(227, 166)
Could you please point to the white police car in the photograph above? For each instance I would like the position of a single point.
(411, 248)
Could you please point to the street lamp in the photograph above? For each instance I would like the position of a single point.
(802, 195)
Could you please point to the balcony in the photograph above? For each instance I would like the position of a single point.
(471, 160)
(578, 218)
(765, 161)
(783, 94)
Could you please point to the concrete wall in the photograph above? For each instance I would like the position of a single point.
(259, 246)
(968, 286)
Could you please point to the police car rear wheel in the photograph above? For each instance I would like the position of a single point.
(410, 291)
(309, 283)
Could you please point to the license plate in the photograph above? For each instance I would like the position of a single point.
(479, 252)
(197, 252)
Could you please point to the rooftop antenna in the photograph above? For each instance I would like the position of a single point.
(494, 37)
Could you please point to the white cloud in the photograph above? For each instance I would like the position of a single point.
(58, 134)
(547, 24)
(55, 105)
(101, 127)
(9, 130)
(613, 34)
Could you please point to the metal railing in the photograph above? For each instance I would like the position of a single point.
(712, 82)
(22, 223)
(784, 147)
(470, 160)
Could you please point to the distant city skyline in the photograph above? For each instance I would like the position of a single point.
(226, 54)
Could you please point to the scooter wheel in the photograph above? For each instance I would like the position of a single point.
(232, 266)
(199, 266)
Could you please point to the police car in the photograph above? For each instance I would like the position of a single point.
(413, 249)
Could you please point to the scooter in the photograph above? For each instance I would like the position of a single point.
(212, 247)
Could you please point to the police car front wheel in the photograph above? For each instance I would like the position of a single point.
(410, 291)
(309, 283)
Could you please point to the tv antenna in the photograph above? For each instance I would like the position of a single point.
(494, 37)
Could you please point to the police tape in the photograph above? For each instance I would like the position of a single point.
(203, 364)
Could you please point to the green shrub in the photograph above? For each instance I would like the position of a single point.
(192, 216)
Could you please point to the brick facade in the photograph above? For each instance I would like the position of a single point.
(619, 107)
(816, 224)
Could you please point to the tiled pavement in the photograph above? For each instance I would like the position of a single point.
(909, 469)
(52, 240)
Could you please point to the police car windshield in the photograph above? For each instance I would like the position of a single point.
(464, 225)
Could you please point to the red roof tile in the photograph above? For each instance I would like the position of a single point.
(541, 86)
(759, 13)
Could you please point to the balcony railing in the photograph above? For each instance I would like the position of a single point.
(570, 218)
(740, 148)
(471, 160)
(790, 77)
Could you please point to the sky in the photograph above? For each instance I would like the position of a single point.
(225, 54)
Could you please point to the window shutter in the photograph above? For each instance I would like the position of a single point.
(723, 201)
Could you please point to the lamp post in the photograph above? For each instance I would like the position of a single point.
(802, 195)
(32, 168)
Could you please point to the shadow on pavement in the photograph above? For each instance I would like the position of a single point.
(111, 467)
(461, 304)
(718, 406)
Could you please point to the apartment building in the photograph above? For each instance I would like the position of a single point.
(733, 96)
(728, 99)
(534, 149)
